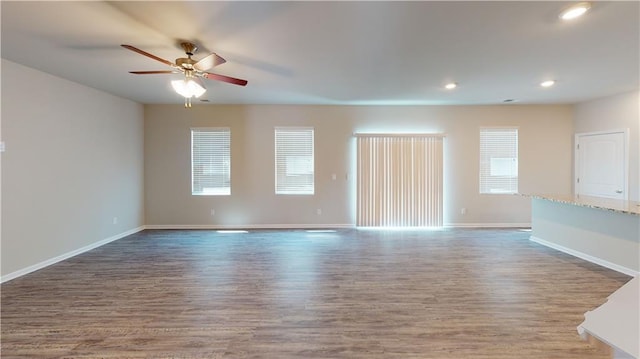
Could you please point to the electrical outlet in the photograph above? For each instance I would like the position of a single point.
(115, 220)
(334, 176)
(318, 211)
(463, 211)
(213, 212)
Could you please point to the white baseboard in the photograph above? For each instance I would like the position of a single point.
(48, 262)
(247, 226)
(487, 225)
(586, 257)
(315, 226)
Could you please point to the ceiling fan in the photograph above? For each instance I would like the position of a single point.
(193, 71)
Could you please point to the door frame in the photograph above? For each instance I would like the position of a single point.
(625, 149)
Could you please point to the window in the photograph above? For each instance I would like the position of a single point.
(294, 160)
(498, 160)
(210, 161)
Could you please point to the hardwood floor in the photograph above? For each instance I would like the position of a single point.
(292, 294)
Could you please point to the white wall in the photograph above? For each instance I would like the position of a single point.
(73, 161)
(545, 161)
(614, 113)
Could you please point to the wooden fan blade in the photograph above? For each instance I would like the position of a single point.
(223, 78)
(135, 49)
(209, 62)
(153, 72)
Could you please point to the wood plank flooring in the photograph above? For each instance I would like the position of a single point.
(292, 294)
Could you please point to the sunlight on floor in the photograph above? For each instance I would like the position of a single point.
(400, 228)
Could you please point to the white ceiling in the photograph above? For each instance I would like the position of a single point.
(337, 52)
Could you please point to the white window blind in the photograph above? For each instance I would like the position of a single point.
(294, 160)
(400, 181)
(498, 160)
(210, 161)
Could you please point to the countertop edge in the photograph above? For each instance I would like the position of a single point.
(608, 204)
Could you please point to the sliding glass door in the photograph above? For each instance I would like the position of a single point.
(399, 180)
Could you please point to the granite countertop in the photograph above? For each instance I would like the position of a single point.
(616, 205)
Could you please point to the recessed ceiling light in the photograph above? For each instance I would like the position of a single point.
(451, 86)
(575, 11)
(548, 83)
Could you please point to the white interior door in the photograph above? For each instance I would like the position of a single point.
(601, 164)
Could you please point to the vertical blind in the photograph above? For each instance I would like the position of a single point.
(399, 181)
(210, 161)
(294, 160)
(498, 160)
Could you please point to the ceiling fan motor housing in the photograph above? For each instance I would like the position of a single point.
(185, 63)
